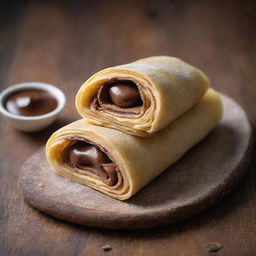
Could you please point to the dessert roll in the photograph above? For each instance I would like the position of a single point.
(141, 97)
(119, 164)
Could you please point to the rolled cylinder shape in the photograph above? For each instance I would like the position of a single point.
(119, 164)
(141, 97)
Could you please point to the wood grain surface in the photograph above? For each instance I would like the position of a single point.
(202, 177)
(64, 42)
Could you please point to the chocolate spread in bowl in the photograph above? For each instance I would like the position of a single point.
(30, 102)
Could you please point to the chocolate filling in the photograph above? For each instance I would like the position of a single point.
(30, 102)
(119, 96)
(85, 157)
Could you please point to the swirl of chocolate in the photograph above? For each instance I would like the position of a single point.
(87, 157)
(30, 102)
(125, 95)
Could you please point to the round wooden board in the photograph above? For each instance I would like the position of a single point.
(203, 176)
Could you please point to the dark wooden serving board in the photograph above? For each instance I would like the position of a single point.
(202, 177)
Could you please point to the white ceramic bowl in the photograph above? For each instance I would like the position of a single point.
(32, 123)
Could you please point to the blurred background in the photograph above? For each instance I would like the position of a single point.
(64, 43)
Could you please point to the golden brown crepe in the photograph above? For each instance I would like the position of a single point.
(167, 86)
(134, 161)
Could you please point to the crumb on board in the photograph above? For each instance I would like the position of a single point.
(213, 247)
(106, 247)
(40, 185)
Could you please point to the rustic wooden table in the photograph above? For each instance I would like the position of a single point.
(64, 43)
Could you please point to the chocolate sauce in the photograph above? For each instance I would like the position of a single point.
(89, 158)
(30, 102)
(123, 94)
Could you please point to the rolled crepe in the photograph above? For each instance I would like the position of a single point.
(141, 97)
(120, 164)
